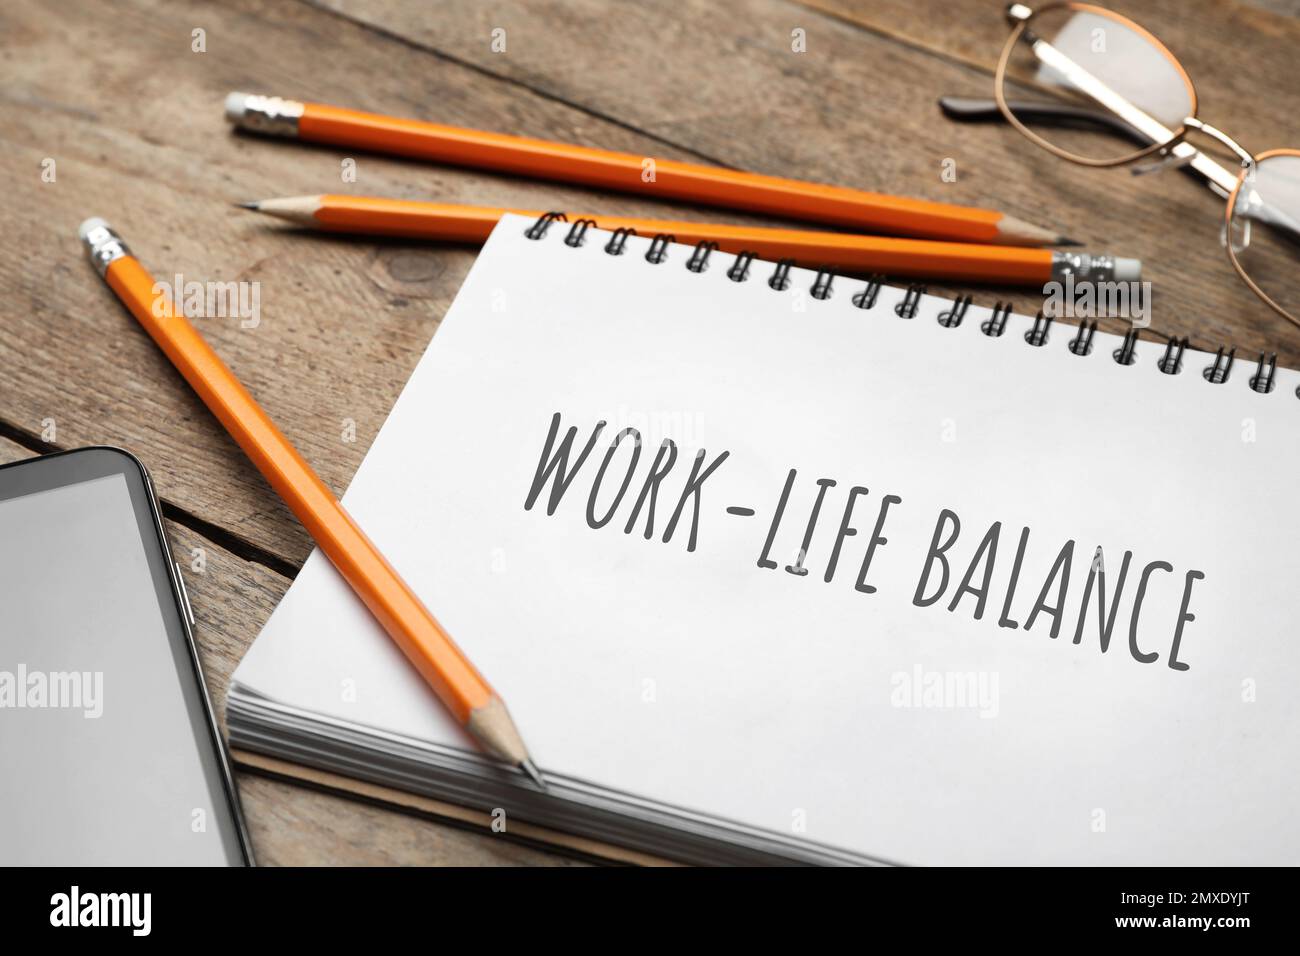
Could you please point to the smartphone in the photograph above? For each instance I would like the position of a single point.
(109, 752)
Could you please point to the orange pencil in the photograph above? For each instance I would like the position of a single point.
(442, 664)
(709, 185)
(923, 258)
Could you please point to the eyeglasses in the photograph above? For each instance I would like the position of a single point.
(1107, 75)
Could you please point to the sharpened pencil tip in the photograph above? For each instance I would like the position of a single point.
(530, 768)
(249, 205)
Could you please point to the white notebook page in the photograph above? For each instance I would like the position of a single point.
(783, 701)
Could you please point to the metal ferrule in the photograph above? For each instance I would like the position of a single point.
(1083, 266)
(271, 115)
(103, 245)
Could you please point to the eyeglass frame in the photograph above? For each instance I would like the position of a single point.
(1164, 141)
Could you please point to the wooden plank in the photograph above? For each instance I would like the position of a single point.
(290, 824)
(479, 820)
(342, 322)
(1230, 48)
(1290, 8)
(858, 108)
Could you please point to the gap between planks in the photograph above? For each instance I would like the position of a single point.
(237, 545)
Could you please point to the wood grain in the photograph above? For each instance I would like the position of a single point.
(291, 824)
(858, 108)
(391, 798)
(342, 322)
(130, 115)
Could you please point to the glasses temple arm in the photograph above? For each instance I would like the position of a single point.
(972, 109)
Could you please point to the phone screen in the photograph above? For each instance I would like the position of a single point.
(107, 751)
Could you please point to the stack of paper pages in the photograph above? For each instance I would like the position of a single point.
(829, 585)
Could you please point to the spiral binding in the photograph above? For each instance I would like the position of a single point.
(658, 250)
(1217, 373)
(699, 260)
(578, 232)
(996, 323)
(1081, 344)
(1263, 380)
(866, 299)
(821, 287)
(739, 270)
(951, 318)
(911, 302)
(618, 241)
(1124, 354)
(538, 229)
(1171, 363)
(1037, 336)
(780, 280)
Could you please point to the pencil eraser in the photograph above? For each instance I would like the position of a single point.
(91, 224)
(1127, 270)
(236, 107)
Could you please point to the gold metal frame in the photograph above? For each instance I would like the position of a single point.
(999, 81)
(1249, 160)
(1227, 222)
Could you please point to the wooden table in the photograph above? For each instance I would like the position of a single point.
(130, 114)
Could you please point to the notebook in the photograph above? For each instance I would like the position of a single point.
(848, 577)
